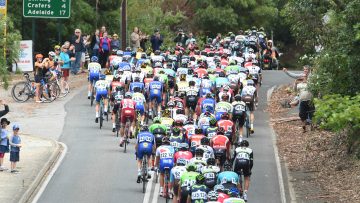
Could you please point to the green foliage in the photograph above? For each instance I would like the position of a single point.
(10, 43)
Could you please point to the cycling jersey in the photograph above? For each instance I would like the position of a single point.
(204, 122)
(222, 107)
(185, 155)
(233, 69)
(139, 98)
(248, 90)
(127, 110)
(94, 71)
(124, 66)
(210, 174)
(220, 142)
(222, 197)
(190, 130)
(175, 175)
(228, 177)
(228, 126)
(136, 84)
(145, 141)
(211, 132)
(206, 86)
(180, 117)
(175, 141)
(208, 104)
(234, 200)
(194, 141)
(187, 180)
(181, 86)
(166, 154)
(199, 162)
(167, 122)
(208, 152)
(101, 87)
(115, 84)
(243, 161)
(141, 76)
(221, 81)
(255, 72)
(198, 193)
(156, 89)
(201, 72)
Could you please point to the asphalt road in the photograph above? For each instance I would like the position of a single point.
(95, 169)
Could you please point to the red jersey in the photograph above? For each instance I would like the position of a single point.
(183, 155)
(198, 106)
(195, 140)
(201, 72)
(190, 130)
(224, 62)
(115, 84)
(220, 142)
(127, 104)
(248, 65)
(147, 81)
(222, 197)
(228, 126)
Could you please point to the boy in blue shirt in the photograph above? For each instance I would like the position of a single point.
(15, 145)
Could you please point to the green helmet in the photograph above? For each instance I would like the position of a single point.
(191, 167)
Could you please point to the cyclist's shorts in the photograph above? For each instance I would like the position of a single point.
(93, 77)
(144, 149)
(101, 93)
(221, 155)
(250, 105)
(127, 114)
(256, 81)
(239, 118)
(218, 115)
(158, 139)
(166, 163)
(157, 97)
(242, 166)
(191, 102)
(184, 194)
(140, 107)
(115, 108)
(171, 83)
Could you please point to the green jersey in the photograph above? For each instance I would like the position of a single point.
(188, 179)
(163, 78)
(212, 77)
(157, 128)
(232, 69)
(224, 107)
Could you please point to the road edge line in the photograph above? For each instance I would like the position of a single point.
(156, 192)
(51, 173)
(277, 160)
(148, 190)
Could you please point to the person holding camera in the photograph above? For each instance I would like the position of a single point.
(78, 43)
(181, 37)
(156, 40)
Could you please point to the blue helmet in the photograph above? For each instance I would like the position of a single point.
(94, 59)
(102, 77)
(234, 192)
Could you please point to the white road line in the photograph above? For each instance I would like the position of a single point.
(148, 190)
(51, 173)
(156, 192)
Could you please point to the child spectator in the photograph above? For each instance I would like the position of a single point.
(15, 145)
(4, 142)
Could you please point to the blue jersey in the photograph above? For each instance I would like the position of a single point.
(166, 154)
(208, 104)
(136, 84)
(220, 82)
(127, 53)
(155, 87)
(228, 177)
(146, 141)
(139, 62)
(124, 66)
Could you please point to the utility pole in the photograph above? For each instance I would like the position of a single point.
(96, 9)
(123, 24)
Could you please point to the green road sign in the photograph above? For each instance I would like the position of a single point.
(46, 8)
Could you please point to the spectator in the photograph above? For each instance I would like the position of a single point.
(181, 37)
(156, 40)
(84, 53)
(102, 31)
(6, 110)
(135, 39)
(78, 43)
(105, 47)
(38, 75)
(95, 43)
(306, 73)
(64, 62)
(190, 39)
(115, 43)
(15, 145)
(143, 39)
(57, 57)
(217, 40)
(4, 142)
(48, 64)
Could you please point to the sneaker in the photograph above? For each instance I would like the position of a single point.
(138, 179)
(88, 97)
(113, 130)
(14, 171)
(252, 130)
(245, 197)
(148, 176)
(96, 120)
(39, 101)
(121, 143)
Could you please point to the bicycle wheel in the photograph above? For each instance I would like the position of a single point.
(126, 135)
(92, 97)
(248, 128)
(64, 87)
(50, 91)
(117, 124)
(21, 92)
(144, 172)
(166, 185)
(101, 114)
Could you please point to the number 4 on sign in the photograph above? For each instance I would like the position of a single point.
(63, 6)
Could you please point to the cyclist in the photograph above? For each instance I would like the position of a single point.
(127, 106)
(205, 146)
(126, 68)
(227, 125)
(221, 81)
(208, 104)
(158, 129)
(206, 85)
(117, 83)
(145, 145)
(211, 130)
(147, 80)
(243, 163)
(228, 178)
(192, 93)
(239, 115)
(223, 107)
(183, 153)
(182, 85)
(198, 192)
(187, 180)
(140, 100)
(198, 160)
(247, 94)
(210, 172)
(138, 74)
(176, 138)
(94, 72)
(255, 72)
(222, 195)
(189, 128)
(167, 121)
(101, 91)
(164, 159)
(195, 140)
(175, 176)
(138, 84)
(234, 196)
(156, 90)
(221, 145)
(115, 99)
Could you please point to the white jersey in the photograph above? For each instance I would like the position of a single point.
(138, 98)
(192, 91)
(254, 70)
(128, 75)
(94, 67)
(228, 93)
(242, 77)
(177, 171)
(248, 90)
(243, 153)
(157, 58)
(208, 152)
(180, 117)
(233, 78)
(141, 76)
(102, 85)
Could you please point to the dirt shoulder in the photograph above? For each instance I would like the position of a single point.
(319, 167)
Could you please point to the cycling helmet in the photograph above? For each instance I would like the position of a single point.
(166, 113)
(128, 49)
(102, 77)
(183, 77)
(189, 121)
(250, 83)
(157, 120)
(184, 146)
(144, 128)
(143, 56)
(128, 95)
(251, 50)
(237, 97)
(191, 167)
(171, 104)
(176, 131)
(225, 116)
(136, 89)
(244, 143)
(198, 131)
(220, 131)
(181, 162)
(205, 141)
(234, 192)
(209, 95)
(205, 76)
(149, 74)
(213, 196)
(221, 74)
(119, 53)
(211, 161)
(212, 122)
(178, 123)
(232, 62)
(157, 52)
(219, 188)
(180, 111)
(119, 88)
(161, 71)
(192, 83)
(165, 140)
(52, 54)
(114, 51)
(156, 78)
(261, 29)
(227, 166)
(39, 56)
(199, 151)
(200, 179)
